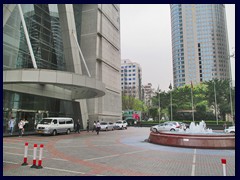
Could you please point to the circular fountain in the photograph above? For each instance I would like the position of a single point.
(196, 136)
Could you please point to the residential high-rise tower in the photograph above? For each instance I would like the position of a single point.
(131, 78)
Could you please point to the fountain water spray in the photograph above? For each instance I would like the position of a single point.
(197, 128)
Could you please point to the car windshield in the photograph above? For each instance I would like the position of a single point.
(118, 122)
(103, 123)
(45, 121)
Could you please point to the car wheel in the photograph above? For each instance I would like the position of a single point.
(54, 133)
(68, 131)
(154, 130)
(106, 129)
(126, 127)
(122, 127)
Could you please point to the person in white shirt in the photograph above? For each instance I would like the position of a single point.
(20, 126)
(11, 124)
(98, 127)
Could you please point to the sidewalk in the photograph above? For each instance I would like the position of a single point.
(16, 134)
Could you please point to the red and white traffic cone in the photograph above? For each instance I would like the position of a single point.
(34, 156)
(25, 154)
(40, 157)
(224, 162)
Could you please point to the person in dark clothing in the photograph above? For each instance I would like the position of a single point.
(78, 127)
(94, 126)
(87, 125)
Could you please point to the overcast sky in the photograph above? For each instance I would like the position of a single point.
(146, 39)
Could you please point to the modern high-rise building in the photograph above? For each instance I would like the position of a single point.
(61, 60)
(131, 78)
(200, 49)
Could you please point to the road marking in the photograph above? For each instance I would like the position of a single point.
(32, 156)
(101, 157)
(135, 152)
(9, 162)
(10, 147)
(15, 154)
(56, 169)
(59, 159)
(194, 163)
(86, 146)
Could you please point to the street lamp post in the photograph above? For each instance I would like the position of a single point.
(230, 85)
(159, 115)
(215, 97)
(171, 104)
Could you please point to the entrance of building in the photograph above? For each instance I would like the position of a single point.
(32, 117)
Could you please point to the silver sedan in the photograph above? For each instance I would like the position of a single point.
(106, 126)
(166, 126)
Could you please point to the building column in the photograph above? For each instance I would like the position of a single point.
(71, 52)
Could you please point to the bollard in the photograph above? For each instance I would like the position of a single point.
(40, 157)
(25, 154)
(34, 156)
(224, 162)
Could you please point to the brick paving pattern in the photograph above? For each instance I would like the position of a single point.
(112, 153)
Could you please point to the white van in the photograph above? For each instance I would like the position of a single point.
(55, 125)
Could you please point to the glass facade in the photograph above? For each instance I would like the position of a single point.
(43, 26)
(199, 43)
(44, 30)
(33, 108)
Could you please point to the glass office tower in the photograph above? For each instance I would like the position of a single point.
(55, 59)
(199, 43)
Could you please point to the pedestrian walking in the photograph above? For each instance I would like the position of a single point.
(20, 127)
(98, 127)
(88, 125)
(78, 127)
(94, 126)
(24, 126)
(11, 124)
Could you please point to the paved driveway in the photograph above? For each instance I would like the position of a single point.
(111, 153)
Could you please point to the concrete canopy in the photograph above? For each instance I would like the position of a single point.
(52, 83)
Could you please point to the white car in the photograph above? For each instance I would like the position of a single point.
(106, 126)
(120, 124)
(166, 126)
(230, 129)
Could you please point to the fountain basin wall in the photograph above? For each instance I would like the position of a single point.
(206, 141)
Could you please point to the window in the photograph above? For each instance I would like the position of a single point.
(69, 121)
(61, 121)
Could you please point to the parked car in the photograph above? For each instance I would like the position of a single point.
(120, 124)
(230, 129)
(166, 126)
(55, 125)
(106, 126)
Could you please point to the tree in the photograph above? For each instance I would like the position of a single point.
(153, 112)
(222, 94)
